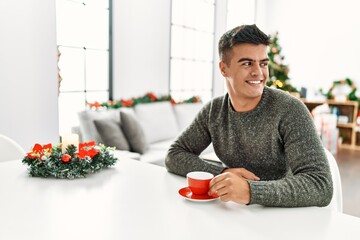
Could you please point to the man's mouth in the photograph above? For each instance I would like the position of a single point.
(254, 81)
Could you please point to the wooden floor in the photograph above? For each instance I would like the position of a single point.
(349, 167)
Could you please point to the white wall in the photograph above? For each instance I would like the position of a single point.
(141, 47)
(320, 39)
(28, 75)
(220, 29)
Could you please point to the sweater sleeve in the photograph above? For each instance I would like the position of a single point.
(183, 155)
(310, 182)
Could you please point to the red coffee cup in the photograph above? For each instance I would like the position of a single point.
(198, 182)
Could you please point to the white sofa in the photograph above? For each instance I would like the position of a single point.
(149, 129)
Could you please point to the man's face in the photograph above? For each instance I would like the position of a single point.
(247, 71)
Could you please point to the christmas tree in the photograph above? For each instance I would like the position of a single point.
(278, 72)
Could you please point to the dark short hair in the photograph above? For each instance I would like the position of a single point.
(240, 34)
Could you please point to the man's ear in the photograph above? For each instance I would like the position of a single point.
(222, 67)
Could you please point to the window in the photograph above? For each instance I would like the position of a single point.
(83, 34)
(192, 44)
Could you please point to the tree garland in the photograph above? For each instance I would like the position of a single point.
(48, 161)
(147, 98)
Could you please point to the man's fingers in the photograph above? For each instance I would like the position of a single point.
(248, 175)
(232, 185)
(244, 173)
(217, 183)
(217, 179)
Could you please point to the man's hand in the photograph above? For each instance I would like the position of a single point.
(231, 185)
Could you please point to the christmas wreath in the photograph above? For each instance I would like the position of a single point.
(345, 81)
(51, 161)
(147, 98)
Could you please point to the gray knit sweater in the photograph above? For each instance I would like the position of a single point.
(276, 141)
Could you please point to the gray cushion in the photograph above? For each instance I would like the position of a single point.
(157, 120)
(185, 113)
(87, 126)
(133, 132)
(111, 134)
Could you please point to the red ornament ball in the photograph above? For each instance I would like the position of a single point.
(65, 158)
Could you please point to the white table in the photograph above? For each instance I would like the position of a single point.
(135, 200)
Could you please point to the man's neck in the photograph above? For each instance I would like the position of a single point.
(244, 105)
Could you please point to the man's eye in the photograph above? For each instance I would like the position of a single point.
(247, 63)
(264, 64)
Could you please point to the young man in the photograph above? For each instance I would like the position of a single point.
(265, 137)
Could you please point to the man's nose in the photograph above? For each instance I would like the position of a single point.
(256, 71)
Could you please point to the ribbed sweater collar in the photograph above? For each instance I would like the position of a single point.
(264, 99)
